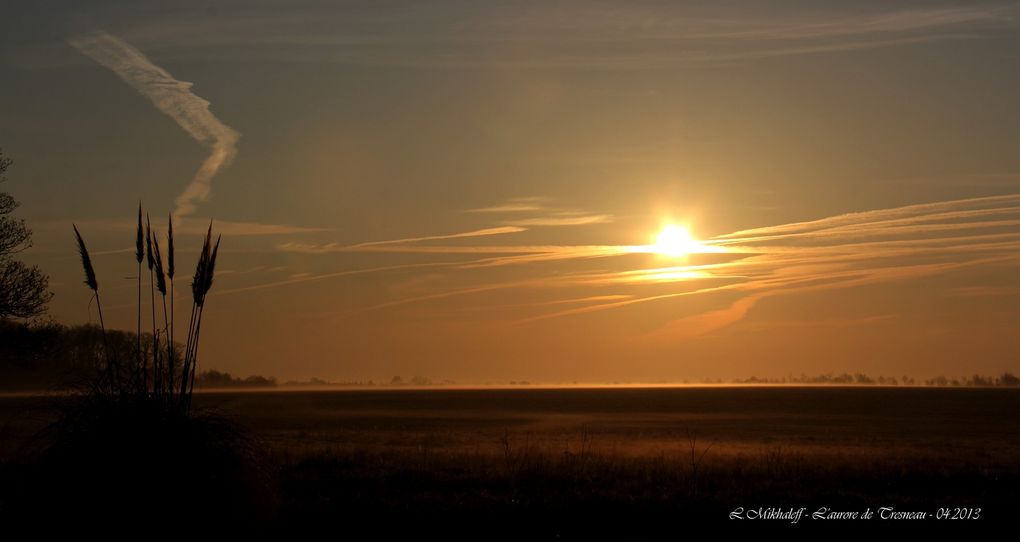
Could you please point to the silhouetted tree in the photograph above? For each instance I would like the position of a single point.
(1009, 379)
(23, 289)
(217, 379)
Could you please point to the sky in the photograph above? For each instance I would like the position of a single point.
(545, 191)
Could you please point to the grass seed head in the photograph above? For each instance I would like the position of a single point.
(86, 262)
(170, 248)
(139, 247)
(148, 242)
(160, 278)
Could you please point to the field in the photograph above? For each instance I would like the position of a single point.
(557, 461)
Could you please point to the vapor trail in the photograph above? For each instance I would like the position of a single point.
(175, 99)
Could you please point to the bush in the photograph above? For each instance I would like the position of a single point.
(130, 465)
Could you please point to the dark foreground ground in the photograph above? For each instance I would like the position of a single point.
(552, 462)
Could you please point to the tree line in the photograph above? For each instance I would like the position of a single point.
(51, 356)
(1005, 379)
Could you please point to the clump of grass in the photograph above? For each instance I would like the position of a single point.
(130, 465)
(130, 449)
(168, 383)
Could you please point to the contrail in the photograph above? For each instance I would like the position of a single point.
(475, 233)
(175, 99)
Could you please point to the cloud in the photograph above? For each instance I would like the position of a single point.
(175, 99)
(229, 228)
(554, 302)
(807, 279)
(113, 251)
(704, 323)
(403, 245)
(545, 216)
(190, 226)
(535, 254)
(863, 218)
(907, 20)
(506, 208)
(473, 233)
(521, 254)
(838, 252)
(843, 251)
(300, 278)
(514, 205)
(459, 292)
(607, 36)
(580, 220)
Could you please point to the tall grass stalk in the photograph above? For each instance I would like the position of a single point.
(200, 286)
(139, 254)
(161, 288)
(203, 258)
(150, 262)
(170, 275)
(206, 286)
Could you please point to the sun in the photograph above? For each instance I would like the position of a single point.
(676, 241)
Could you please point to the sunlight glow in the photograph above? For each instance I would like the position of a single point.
(676, 241)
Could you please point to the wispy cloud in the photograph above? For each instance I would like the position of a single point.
(704, 323)
(866, 218)
(551, 303)
(401, 245)
(507, 208)
(514, 205)
(843, 251)
(743, 267)
(473, 233)
(227, 227)
(599, 36)
(580, 220)
(113, 251)
(543, 215)
(548, 217)
(829, 262)
(190, 226)
(175, 99)
(301, 278)
(891, 22)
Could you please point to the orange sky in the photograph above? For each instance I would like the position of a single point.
(476, 193)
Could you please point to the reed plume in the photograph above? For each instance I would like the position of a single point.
(151, 262)
(170, 275)
(210, 271)
(93, 284)
(157, 256)
(207, 278)
(86, 263)
(200, 286)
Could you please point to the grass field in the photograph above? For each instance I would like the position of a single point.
(598, 459)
